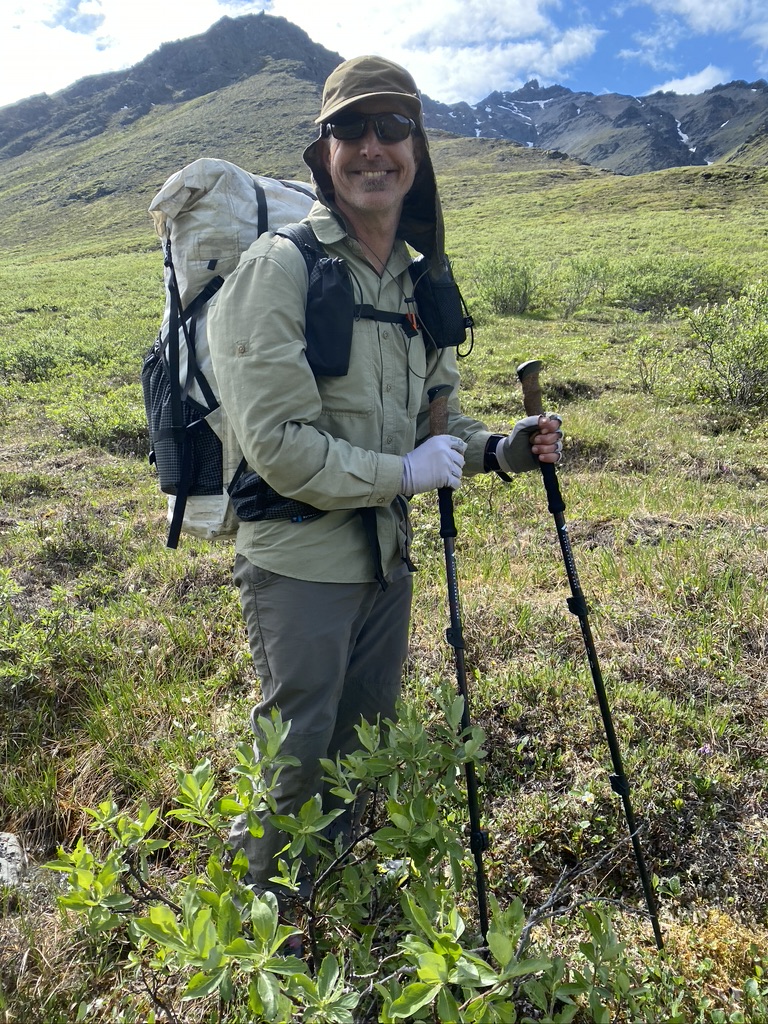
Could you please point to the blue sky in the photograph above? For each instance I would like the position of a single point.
(456, 49)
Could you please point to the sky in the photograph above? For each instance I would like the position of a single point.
(456, 49)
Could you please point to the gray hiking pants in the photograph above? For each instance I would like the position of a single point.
(326, 654)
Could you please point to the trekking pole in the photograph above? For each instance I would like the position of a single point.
(438, 424)
(529, 378)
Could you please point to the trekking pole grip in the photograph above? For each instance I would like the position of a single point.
(438, 424)
(528, 374)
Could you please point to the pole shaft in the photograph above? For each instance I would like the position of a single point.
(529, 378)
(438, 419)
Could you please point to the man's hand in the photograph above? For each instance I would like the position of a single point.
(534, 439)
(435, 463)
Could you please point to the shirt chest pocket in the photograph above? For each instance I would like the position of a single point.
(352, 394)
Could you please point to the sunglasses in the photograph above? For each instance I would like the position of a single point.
(388, 127)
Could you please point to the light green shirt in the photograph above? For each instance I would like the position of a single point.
(336, 443)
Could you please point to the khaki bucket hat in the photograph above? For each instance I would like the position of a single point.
(364, 78)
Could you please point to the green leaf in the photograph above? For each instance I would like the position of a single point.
(264, 918)
(269, 993)
(418, 918)
(432, 969)
(228, 924)
(327, 976)
(447, 1007)
(162, 927)
(202, 984)
(242, 949)
(412, 998)
(150, 818)
(240, 865)
(523, 967)
(227, 989)
(401, 821)
(229, 807)
(203, 932)
(537, 994)
(600, 1014)
(501, 946)
(473, 971)
(566, 1014)
(215, 872)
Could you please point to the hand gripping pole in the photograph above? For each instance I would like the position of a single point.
(438, 423)
(529, 378)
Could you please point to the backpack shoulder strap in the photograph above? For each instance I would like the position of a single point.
(305, 240)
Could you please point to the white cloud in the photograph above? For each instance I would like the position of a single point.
(656, 48)
(711, 15)
(39, 53)
(694, 84)
(464, 52)
(747, 19)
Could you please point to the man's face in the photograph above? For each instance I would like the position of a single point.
(371, 177)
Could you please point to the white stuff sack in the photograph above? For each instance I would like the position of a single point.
(211, 211)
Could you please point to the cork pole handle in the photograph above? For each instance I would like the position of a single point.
(438, 409)
(528, 374)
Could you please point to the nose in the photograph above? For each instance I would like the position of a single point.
(370, 143)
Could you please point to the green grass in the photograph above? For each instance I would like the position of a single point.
(120, 658)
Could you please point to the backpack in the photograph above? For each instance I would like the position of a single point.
(206, 215)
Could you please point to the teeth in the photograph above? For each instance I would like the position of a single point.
(373, 174)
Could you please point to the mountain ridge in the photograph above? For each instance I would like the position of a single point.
(620, 133)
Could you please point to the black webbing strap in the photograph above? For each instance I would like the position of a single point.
(242, 466)
(305, 240)
(368, 519)
(182, 493)
(174, 320)
(179, 320)
(368, 312)
(262, 214)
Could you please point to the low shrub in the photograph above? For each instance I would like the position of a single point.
(504, 284)
(663, 284)
(729, 357)
(386, 930)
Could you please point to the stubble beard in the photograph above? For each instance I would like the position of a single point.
(375, 184)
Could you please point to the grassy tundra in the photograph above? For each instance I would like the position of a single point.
(125, 664)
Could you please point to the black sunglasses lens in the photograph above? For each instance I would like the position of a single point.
(348, 129)
(393, 127)
(388, 127)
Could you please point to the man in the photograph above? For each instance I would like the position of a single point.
(327, 598)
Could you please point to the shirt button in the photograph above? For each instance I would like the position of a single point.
(389, 439)
(389, 387)
(380, 501)
(241, 350)
(385, 334)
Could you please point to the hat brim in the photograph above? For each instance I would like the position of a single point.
(411, 104)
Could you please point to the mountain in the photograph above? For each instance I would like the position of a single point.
(623, 134)
(232, 50)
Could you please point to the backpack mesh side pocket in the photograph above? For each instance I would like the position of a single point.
(188, 458)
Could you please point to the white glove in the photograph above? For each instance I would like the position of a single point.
(513, 452)
(435, 463)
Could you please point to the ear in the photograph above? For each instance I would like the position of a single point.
(324, 151)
